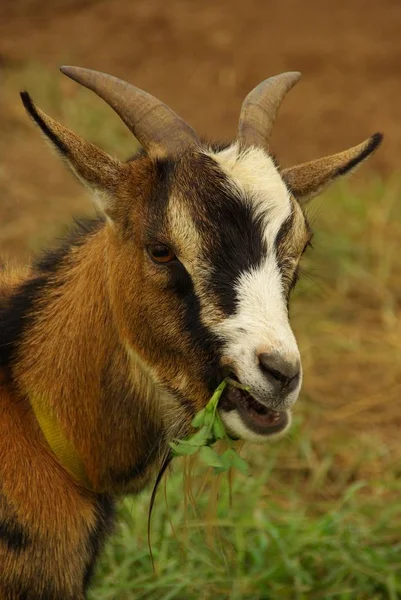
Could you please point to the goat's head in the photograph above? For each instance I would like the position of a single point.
(203, 248)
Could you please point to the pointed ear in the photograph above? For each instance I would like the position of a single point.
(97, 170)
(311, 178)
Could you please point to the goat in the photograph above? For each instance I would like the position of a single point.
(112, 342)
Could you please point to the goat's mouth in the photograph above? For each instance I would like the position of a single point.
(257, 417)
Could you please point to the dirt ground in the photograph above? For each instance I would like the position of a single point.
(203, 57)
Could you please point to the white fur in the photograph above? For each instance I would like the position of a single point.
(260, 323)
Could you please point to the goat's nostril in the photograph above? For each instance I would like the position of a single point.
(281, 372)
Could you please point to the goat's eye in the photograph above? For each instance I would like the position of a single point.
(161, 254)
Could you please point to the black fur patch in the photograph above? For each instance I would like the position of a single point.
(16, 316)
(202, 338)
(238, 249)
(232, 234)
(105, 515)
(20, 309)
(13, 535)
(159, 197)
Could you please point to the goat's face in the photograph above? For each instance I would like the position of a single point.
(204, 247)
(205, 265)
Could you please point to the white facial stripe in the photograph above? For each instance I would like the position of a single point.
(260, 322)
(261, 304)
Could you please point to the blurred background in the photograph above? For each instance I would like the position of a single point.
(319, 516)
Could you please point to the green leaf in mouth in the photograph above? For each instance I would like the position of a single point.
(211, 429)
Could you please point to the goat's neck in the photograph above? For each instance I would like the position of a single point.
(72, 359)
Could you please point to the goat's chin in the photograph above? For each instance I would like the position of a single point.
(237, 428)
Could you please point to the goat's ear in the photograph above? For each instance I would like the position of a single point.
(311, 178)
(97, 170)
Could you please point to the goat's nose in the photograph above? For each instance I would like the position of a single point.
(281, 372)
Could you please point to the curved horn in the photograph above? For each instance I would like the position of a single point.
(160, 131)
(260, 108)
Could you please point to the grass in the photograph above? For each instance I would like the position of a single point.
(318, 517)
(280, 537)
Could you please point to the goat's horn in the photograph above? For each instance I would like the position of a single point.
(260, 108)
(160, 131)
